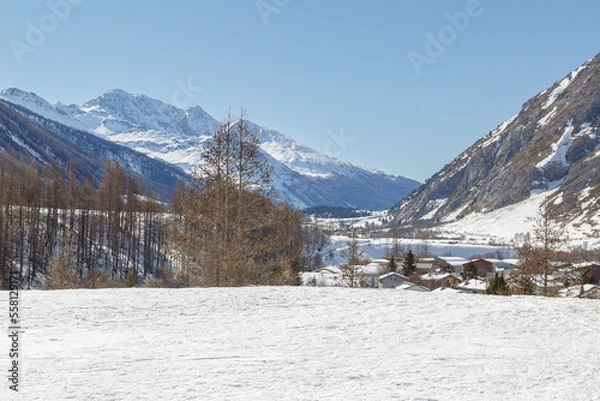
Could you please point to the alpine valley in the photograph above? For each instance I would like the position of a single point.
(151, 130)
(548, 152)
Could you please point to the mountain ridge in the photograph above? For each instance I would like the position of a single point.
(303, 176)
(26, 134)
(550, 147)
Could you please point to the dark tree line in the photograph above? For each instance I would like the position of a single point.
(61, 230)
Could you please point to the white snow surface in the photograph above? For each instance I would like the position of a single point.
(499, 225)
(508, 224)
(304, 344)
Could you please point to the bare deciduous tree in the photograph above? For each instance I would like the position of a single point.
(231, 232)
(353, 269)
(537, 252)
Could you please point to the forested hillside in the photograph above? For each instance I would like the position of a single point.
(59, 231)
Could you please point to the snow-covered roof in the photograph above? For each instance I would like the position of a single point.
(473, 285)
(329, 270)
(406, 286)
(449, 259)
(392, 274)
(371, 268)
(436, 277)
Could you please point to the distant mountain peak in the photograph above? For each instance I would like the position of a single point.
(303, 176)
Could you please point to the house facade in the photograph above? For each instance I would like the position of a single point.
(433, 281)
(391, 280)
(484, 267)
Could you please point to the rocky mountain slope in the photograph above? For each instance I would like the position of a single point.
(551, 146)
(302, 176)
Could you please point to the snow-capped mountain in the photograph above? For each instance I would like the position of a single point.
(550, 150)
(302, 176)
(28, 136)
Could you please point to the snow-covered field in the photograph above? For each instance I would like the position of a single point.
(304, 344)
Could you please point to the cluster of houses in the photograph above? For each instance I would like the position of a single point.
(446, 274)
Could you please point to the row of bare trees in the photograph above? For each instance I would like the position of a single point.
(60, 230)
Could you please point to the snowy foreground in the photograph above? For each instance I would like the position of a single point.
(304, 344)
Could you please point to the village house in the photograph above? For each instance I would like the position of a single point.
(450, 264)
(433, 281)
(372, 272)
(391, 280)
(485, 268)
(425, 265)
(572, 273)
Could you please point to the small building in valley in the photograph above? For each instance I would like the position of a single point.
(391, 280)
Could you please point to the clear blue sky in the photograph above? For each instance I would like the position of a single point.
(318, 71)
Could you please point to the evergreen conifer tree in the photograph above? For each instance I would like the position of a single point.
(497, 286)
(393, 265)
(409, 266)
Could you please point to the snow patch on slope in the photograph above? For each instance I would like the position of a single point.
(546, 119)
(22, 144)
(559, 150)
(497, 133)
(435, 205)
(562, 86)
(297, 157)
